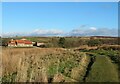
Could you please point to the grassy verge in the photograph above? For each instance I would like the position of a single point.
(103, 70)
(106, 68)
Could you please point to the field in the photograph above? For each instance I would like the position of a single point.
(103, 71)
(29, 64)
(55, 65)
(83, 63)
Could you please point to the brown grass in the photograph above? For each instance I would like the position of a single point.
(108, 47)
(11, 56)
(33, 64)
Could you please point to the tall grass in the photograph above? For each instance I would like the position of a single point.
(41, 64)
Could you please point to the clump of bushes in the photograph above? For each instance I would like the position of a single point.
(94, 42)
(62, 42)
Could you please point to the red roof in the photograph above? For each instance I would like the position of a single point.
(20, 42)
(27, 42)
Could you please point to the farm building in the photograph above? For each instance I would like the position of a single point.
(20, 43)
(40, 44)
(12, 43)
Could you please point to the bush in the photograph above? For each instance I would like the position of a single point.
(62, 42)
(94, 42)
(4, 42)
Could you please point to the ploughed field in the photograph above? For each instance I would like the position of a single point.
(55, 65)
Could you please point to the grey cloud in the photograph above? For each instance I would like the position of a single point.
(52, 32)
(36, 32)
(97, 32)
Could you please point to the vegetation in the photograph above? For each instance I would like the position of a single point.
(62, 42)
(4, 42)
(9, 77)
(106, 66)
(62, 59)
(103, 71)
(94, 42)
(68, 42)
(31, 63)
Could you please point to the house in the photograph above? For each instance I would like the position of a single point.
(20, 43)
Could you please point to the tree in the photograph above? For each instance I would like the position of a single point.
(62, 42)
(4, 42)
(0, 41)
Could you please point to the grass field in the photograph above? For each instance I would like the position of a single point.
(59, 65)
(43, 64)
(103, 70)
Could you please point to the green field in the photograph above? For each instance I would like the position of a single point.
(103, 70)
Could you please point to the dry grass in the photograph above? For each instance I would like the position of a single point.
(0, 61)
(38, 64)
(108, 47)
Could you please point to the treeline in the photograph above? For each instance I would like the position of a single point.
(76, 42)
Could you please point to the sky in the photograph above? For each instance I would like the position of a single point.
(60, 0)
(60, 18)
(1, 18)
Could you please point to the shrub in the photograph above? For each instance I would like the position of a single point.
(62, 42)
(94, 42)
